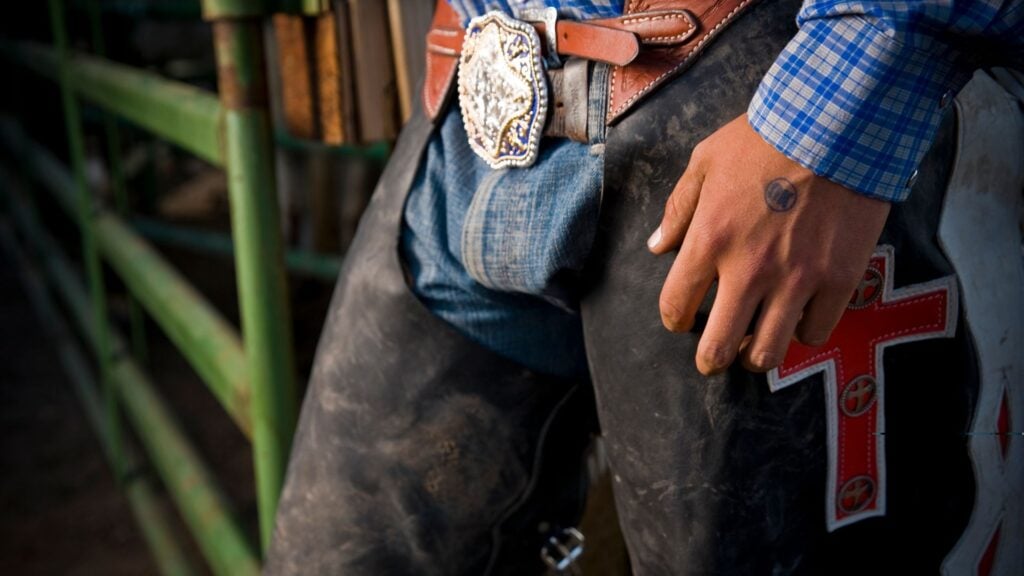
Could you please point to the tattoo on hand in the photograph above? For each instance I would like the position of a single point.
(780, 195)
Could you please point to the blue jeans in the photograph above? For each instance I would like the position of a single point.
(498, 253)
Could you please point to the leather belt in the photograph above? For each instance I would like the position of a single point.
(614, 41)
(651, 42)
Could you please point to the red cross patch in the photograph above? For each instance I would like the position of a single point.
(877, 317)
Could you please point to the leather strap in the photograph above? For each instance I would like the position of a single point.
(651, 42)
(613, 41)
(594, 42)
(655, 27)
(652, 68)
(442, 59)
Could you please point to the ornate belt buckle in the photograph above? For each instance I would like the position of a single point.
(502, 90)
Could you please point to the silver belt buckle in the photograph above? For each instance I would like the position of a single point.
(503, 92)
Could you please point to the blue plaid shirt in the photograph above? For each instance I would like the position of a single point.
(857, 95)
(575, 9)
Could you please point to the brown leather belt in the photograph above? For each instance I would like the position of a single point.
(646, 46)
(610, 40)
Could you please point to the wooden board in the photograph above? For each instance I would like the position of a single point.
(330, 94)
(375, 87)
(346, 71)
(299, 114)
(409, 20)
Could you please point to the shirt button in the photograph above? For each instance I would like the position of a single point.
(912, 180)
(946, 99)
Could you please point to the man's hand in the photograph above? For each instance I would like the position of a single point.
(774, 235)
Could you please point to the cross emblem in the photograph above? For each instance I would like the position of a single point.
(877, 317)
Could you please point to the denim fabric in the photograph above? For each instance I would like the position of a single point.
(497, 253)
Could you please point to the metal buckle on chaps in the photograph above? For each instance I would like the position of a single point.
(503, 93)
(562, 550)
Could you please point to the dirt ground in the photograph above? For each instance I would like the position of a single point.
(60, 511)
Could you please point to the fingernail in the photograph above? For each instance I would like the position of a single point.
(655, 239)
(764, 360)
(716, 357)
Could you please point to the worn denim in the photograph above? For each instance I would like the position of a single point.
(498, 253)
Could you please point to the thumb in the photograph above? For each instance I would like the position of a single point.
(678, 210)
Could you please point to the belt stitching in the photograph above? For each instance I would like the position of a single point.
(641, 19)
(624, 20)
(684, 62)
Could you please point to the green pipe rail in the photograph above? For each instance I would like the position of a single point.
(208, 341)
(186, 477)
(251, 374)
(187, 116)
(141, 493)
(113, 138)
(313, 264)
(195, 9)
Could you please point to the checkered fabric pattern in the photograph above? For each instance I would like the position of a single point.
(575, 9)
(858, 94)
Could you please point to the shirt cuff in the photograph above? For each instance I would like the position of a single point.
(854, 104)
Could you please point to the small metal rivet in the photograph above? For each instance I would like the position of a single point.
(858, 395)
(856, 495)
(912, 180)
(946, 99)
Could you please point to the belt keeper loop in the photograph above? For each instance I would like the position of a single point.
(549, 17)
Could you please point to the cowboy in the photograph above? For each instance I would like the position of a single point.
(503, 286)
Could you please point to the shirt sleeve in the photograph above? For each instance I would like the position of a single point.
(858, 94)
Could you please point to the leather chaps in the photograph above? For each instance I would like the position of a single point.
(419, 452)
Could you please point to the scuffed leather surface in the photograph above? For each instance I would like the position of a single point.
(654, 67)
(417, 450)
(718, 475)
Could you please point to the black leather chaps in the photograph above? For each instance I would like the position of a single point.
(419, 452)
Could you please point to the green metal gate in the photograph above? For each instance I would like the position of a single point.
(254, 381)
